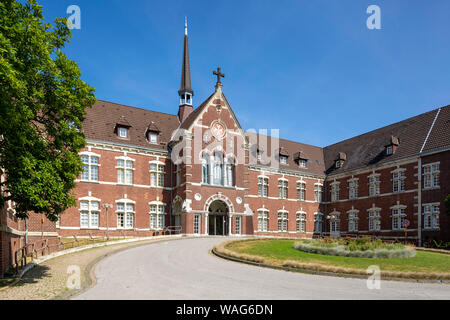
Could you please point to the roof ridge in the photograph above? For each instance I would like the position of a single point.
(140, 108)
(389, 125)
(429, 131)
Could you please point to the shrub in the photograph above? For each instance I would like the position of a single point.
(359, 248)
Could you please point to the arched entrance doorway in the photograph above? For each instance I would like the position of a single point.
(217, 218)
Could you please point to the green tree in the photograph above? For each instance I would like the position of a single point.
(447, 203)
(42, 106)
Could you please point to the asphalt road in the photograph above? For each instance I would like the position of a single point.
(184, 269)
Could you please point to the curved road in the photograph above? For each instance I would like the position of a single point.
(184, 269)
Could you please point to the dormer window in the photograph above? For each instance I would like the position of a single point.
(152, 133)
(153, 137)
(302, 163)
(391, 145)
(301, 158)
(121, 128)
(389, 150)
(283, 155)
(340, 159)
(123, 132)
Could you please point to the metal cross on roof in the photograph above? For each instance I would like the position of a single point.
(218, 74)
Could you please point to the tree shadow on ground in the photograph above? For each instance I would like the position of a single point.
(34, 275)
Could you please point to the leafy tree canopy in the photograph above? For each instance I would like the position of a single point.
(42, 106)
(447, 203)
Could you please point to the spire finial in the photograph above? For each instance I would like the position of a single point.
(185, 26)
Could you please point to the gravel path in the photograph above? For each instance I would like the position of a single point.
(48, 279)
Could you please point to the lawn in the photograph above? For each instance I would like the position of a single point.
(281, 250)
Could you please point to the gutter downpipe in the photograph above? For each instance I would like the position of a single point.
(169, 148)
(419, 200)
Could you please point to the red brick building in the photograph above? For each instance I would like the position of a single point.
(200, 171)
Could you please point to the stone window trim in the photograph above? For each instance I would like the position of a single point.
(125, 202)
(318, 221)
(352, 216)
(301, 190)
(430, 212)
(157, 213)
(89, 199)
(283, 188)
(90, 164)
(157, 170)
(431, 175)
(301, 221)
(263, 186)
(283, 218)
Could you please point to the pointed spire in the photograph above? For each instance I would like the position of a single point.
(186, 70)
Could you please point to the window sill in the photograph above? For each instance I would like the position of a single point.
(88, 228)
(431, 188)
(217, 186)
(92, 181)
(432, 229)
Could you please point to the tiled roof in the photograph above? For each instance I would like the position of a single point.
(410, 134)
(102, 118)
(314, 155)
(360, 151)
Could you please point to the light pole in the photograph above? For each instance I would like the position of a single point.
(107, 206)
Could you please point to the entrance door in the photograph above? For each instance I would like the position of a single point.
(217, 218)
(216, 225)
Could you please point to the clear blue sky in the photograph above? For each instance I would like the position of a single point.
(310, 68)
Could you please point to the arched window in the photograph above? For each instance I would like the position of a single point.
(205, 168)
(230, 166)
(218, 169)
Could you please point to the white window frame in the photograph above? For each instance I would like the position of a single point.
(352, 220)
(301, 221)
(398, 215)
(90, 166)
(431, 175)
(123, 132)
(318, 222)
(197, 223)
(334, 191)
(157, 173)
(282, 188)
(318, 192)
(398, 180)
(238, 225)
(283, 159)
(125, 168)
(91, 211)
(283, 217)
(157, 215)
(374, 218)
(263, 186)
(374, 184)
(431, 213)
(126, 212)
(353, 188)
(263, 219)
(301, 190)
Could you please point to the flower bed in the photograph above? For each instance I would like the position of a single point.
(357, 248)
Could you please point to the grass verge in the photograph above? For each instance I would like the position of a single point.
(277, 252)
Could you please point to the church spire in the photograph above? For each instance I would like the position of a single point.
(185, 91)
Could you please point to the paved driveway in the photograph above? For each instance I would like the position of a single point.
(184, 269)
